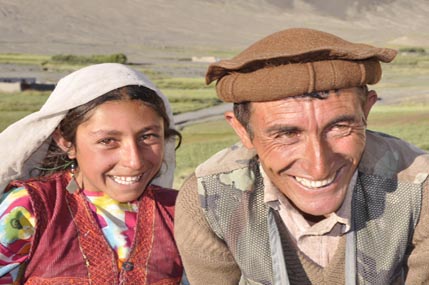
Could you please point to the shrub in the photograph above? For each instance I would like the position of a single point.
(92, 59)
(415, 50)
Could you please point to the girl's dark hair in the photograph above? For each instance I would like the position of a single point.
(56, 158)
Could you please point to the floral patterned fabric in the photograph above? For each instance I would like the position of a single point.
(17, 223)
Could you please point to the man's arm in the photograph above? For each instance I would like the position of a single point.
(418, 260)
(206, 258)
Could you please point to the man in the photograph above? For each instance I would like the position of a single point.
(309, 196)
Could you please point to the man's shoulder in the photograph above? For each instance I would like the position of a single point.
(227, 160)
(391, 157)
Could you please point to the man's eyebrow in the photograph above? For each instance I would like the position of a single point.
(343, 119)
(281, 128)
(290, 128)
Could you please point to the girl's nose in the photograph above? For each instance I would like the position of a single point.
(132, 156)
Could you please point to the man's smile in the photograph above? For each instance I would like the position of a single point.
(315, 183)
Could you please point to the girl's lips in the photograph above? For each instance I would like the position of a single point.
(126, 180)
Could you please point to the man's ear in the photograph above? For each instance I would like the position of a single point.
(64, 144)
(239, 129)
(370, 101)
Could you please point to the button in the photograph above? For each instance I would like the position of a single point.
(128, 266)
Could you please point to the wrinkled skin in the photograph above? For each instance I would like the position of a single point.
(308, 147)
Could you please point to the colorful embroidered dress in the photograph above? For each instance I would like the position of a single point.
(18, 223)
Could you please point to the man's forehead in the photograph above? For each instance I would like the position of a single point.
(351, 92)
(337, 104)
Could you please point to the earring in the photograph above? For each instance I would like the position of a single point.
(73, 167)
(72, 186)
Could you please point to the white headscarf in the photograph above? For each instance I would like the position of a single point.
(24, 144)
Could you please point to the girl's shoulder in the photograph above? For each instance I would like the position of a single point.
(14, 196)
(17, 225)
(42, 182)
(16, 212)
(165, 196)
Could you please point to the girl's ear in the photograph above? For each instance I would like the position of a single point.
(65, 145)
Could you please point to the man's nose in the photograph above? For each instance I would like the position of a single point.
(318, 155)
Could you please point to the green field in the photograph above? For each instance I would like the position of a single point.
(408, 120)
(410, 123)
(200, 141)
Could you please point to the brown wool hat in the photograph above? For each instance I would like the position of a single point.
(296, 61)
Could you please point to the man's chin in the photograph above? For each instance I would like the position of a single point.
(324, 206)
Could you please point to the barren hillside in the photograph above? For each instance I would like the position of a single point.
(140, 27)
(164, 34)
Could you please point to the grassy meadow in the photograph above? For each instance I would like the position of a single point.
(408, 119)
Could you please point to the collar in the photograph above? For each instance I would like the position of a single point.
(277, 200)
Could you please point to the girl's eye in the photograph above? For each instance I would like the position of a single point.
(150, 138)
(106, 141)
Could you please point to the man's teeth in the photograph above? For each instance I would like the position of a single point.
(314, 184)
(126, 180)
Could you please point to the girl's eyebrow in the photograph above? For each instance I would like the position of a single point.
(104, 132)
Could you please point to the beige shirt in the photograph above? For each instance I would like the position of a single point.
(317, 241)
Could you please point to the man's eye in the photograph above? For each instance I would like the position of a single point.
(287, 136)
(340, 130)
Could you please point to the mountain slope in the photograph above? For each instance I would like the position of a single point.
(138, 27)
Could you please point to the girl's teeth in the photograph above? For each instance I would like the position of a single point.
(126, 180)
(314, 184)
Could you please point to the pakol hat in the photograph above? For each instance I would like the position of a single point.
(296, 61)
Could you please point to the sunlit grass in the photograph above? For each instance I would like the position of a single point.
(18, 58)
(410, 123)
(14, 106)
(200, 141)
(181, 83)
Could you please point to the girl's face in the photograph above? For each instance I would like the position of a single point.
(119, 149)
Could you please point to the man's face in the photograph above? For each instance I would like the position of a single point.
(310, 148)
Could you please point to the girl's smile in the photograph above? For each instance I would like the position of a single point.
(119, 149)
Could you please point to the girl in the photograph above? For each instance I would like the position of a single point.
(90, 202)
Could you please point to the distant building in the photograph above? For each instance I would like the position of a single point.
(26, 80)
(18, 84)
(208, 59)
(10, 87)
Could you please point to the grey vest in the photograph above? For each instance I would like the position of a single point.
(385, 210)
